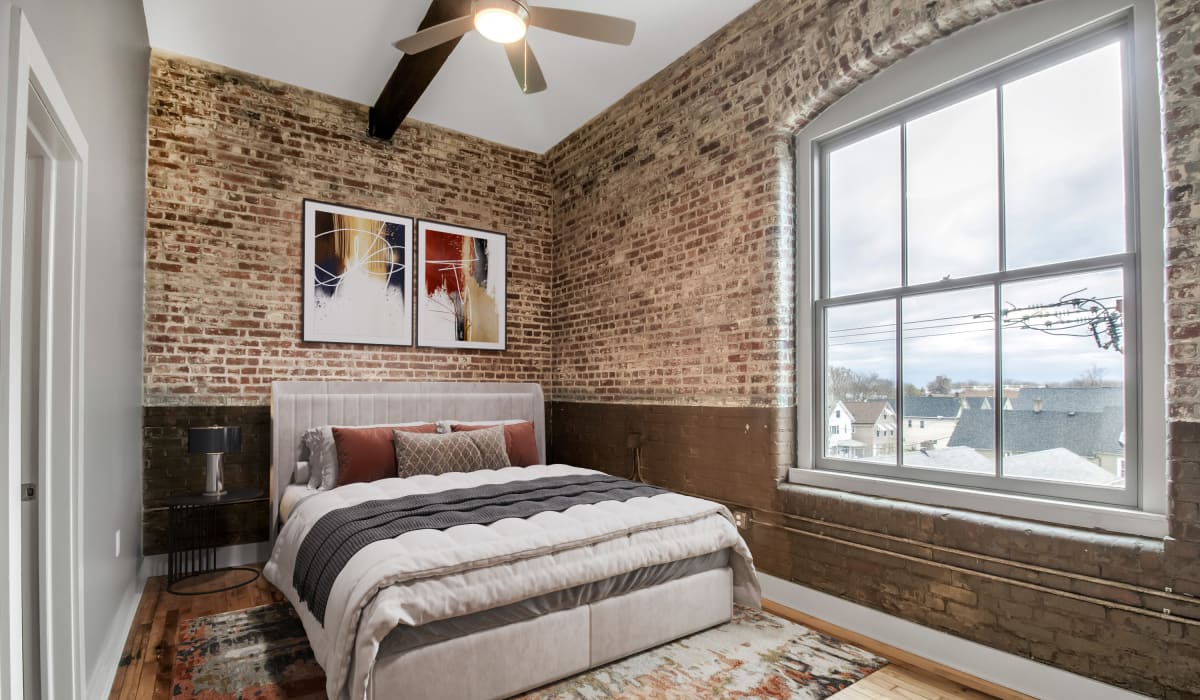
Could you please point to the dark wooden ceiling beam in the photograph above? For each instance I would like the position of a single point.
(413, 74)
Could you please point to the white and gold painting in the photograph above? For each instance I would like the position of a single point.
(357, 275)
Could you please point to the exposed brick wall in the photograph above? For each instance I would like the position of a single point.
(232, 156)
(677, 202)
(1180, 58)
(697, 449)
(666, 291)
(1082, 600)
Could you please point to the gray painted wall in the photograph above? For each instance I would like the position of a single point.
(100, 54)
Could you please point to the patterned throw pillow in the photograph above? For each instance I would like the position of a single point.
(418, 454)
(519, 439)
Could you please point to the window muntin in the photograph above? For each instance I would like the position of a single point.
(954, 220)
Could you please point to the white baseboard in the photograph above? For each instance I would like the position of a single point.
(100, 684)
(233, 555)
(1009, 670)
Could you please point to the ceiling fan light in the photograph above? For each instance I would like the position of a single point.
(500, 25)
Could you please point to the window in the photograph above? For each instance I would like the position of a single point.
(976, 255)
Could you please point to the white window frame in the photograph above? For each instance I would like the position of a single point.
(948, 62)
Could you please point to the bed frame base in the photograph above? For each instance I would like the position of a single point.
(509, 660)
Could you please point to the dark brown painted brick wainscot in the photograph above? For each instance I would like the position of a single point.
(168, 469)
(1085, 601)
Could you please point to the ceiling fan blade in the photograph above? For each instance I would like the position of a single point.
(525, 67)
(588, 25)
(436, 35)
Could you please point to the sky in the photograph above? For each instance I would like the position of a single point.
(1063, 199)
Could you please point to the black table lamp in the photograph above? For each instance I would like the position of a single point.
(214, 442)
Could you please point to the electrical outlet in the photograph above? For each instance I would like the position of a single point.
(118, 547)
(741, 518)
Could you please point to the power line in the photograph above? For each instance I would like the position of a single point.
(951, 318)
(1078, 317)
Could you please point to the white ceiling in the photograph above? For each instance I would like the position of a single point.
(343, 48)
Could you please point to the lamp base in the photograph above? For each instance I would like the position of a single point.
(214, 480)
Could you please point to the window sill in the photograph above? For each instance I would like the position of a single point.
(1068, 513)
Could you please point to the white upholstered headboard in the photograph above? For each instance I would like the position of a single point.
(298, 406)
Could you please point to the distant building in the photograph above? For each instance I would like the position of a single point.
(984, 403)
(874, 426)
(929, 421)
(1065, 399)
(839, 427)
(1093, 436)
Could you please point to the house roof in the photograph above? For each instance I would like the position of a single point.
(867, 411)
(978, 403)
(1057, 464)
(955, 458)
(1079, 399)
(932, 406)
(1085, 434)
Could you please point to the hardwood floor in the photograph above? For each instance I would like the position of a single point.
(900, 681)
(148, 658)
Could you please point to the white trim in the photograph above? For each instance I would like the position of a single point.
(11, 200)
(1089, 516)
(26, 72)
(232, 555)
(99, 686)
(967, 52)
(1009, 670)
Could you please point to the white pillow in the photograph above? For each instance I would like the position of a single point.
(300, 476)
(322, 452)
(445, 426)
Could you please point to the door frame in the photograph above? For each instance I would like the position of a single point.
(25, 71)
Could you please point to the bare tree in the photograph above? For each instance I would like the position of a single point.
(1092, 377)
(845, 384)
(941, 385)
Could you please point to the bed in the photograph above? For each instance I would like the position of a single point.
(486, 610)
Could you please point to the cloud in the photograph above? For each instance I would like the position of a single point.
(1064, 199)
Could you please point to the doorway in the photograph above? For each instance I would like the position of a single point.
(42, 186)
(36, 166)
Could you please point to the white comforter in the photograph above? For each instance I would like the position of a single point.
(429, 575)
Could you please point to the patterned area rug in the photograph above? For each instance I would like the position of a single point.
(262, 653)
(755, 655)
(254, 653)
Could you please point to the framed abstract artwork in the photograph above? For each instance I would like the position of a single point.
(461, 292)
(358, 280)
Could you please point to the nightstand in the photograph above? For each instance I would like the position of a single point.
(191, 526)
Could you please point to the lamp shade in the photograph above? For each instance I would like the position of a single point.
(214, 439)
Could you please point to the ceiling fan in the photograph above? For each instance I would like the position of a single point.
(507, 21)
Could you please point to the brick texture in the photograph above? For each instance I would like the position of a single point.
(168, 469)
(1081, 600)
(677, 201)
(231, 158)
(653, 293)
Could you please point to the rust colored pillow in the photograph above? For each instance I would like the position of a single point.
(367, 454)
(519, 440)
